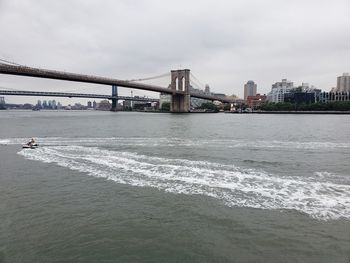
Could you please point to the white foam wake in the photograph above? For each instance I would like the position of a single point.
(233, 185)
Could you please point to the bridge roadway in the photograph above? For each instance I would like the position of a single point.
(73, 95)
(61, 75)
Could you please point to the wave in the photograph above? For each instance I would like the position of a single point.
(233, 185)
(180, 142)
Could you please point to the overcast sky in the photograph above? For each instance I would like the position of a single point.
(224, 43)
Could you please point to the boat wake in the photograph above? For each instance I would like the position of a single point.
(234, 186)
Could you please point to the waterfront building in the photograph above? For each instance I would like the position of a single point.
(249, 89)
(2, 100)
(38, 104)
(126, 105)
(278, 91)
(89, 104)
(300, 97)
(104, 105)
(54, 105)
(325, 97)
(256, 101)
(343, 83)
(164, 98)
(94, 104)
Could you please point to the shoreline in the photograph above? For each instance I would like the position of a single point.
(293, 112)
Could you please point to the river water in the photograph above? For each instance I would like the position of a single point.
(148, 187)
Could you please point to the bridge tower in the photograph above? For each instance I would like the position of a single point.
(114, 101)
(180, 81)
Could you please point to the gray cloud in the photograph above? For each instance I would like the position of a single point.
(224, 43)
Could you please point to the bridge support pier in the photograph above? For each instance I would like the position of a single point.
(180, 81)
(180, 103)
(114, 104)
(114, 101)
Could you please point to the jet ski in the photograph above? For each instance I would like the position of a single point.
(30, 146)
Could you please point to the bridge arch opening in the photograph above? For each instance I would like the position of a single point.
(183, 82)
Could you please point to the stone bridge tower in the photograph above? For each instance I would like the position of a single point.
(180, 81)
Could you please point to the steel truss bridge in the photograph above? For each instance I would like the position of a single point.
(74, 95)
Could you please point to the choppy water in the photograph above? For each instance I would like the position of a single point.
(280, 170)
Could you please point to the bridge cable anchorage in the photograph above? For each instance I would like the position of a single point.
(149, 78)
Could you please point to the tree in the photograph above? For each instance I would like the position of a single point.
(208, 106)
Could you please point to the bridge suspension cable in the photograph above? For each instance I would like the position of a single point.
(150, 78)
(197, 80)
(9, 62)
(3, 88)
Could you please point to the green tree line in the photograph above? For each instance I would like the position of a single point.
(287, 106)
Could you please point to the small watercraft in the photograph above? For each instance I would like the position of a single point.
(30, 146)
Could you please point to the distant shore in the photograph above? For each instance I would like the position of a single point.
(292, 112)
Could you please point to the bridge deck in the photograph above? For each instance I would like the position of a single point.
(60, 75)
(73, 95)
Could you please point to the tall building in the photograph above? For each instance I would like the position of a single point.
(54, 104)
(278, 90)
(207, 89)
(343, 83)
(45, 104)
(2, 100)
(249, 89)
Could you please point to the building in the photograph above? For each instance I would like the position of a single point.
(2, 103)
(127, 105)
(300, 97)
(325, 97)
(89, 104)
(256, 101)
(44, 104)
(343, 83)
(278, 91)
(94, 104)
(104, 105)
(164, 98)
(249, 89)
(207, 89)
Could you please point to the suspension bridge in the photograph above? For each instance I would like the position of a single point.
(179, 88)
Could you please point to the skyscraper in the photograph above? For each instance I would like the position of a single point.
(207, 89)
(249, 89)
(343, 83)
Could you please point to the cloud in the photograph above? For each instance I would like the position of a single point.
(224, 43)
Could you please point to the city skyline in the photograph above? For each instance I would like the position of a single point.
(226, 43)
